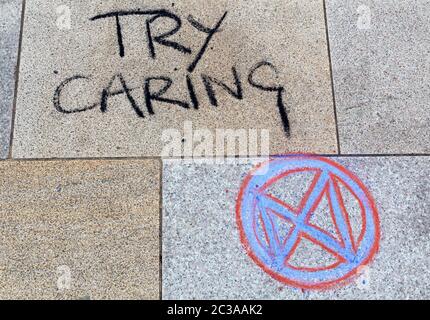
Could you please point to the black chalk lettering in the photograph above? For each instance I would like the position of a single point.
(157, 96)
(58, 92)
(161, 39)
(157, 39)
(210, 32)
(107, 93)
(279, 90)
(209, 85)
(192, 92)
(119, 36)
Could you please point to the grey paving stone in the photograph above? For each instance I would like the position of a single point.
(381, 68)
(10, 21)
(202, 253)
(79, 229)
(289, 34)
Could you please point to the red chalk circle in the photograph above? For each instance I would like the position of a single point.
(260, 232)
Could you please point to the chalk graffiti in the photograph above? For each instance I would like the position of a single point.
(157, 41)
(256, 207)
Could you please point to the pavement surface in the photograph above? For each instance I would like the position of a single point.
(125, 125)
(92, 226)
(111, 114)
(201, 242)
(10, 15)
(381, 71)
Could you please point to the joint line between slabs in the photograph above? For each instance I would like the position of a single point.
(17, 72)
(142, 158)
(331, 78)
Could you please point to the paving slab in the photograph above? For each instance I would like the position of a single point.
(203, 257)
(95, 78)
(79, 230)
(10, 22)
(381, 70)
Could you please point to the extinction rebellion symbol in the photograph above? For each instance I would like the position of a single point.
(262, 217)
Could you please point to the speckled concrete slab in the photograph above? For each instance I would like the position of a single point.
(381, 68)
(202, 253)
(79, 230)
(10, 21)
(87, 86)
